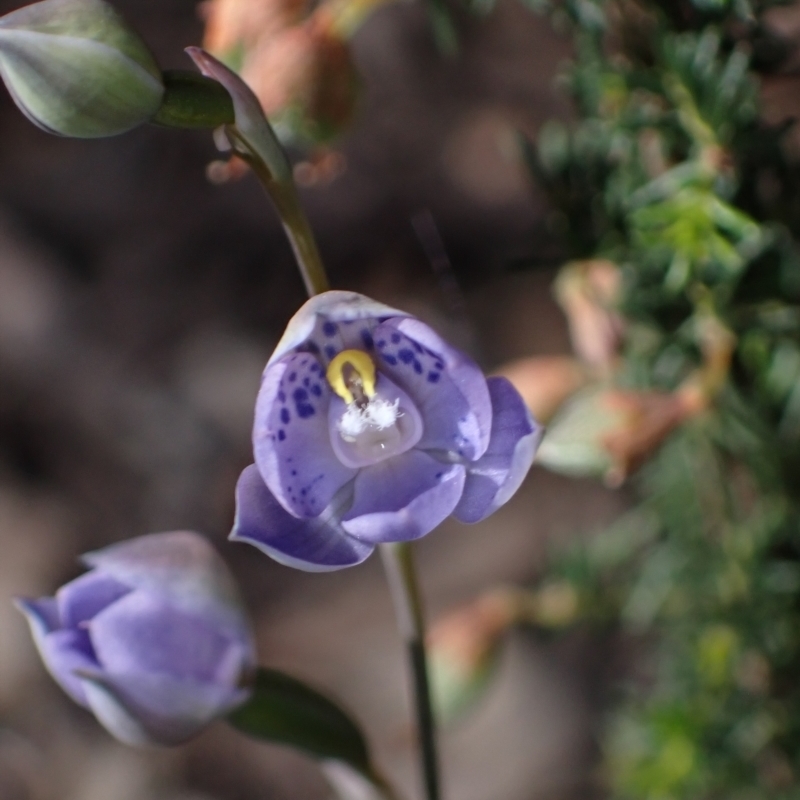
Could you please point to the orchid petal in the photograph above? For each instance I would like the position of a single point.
(291, 444)
(63, 651)
(447, 386)
(79, 600)
(147, 709)
(331, 307)
(179, 565)
(314, 545)
(496, 476)
(403, 498)
(144, 634)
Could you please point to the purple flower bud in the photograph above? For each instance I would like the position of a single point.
(153, 639)
(370, 428)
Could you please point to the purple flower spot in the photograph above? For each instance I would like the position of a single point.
(281, 435)
(316, 390)
(395, 338)
(439, 365)
(329, 329)
(315, 368)
(366, 337)
(330, 351)
(285, 416)
(417, 367)
(390, 360)
(303, 492)
(439, 475)
(417, 347)
(406, 355)
(381, 343)
(305, 410)
(299, 395)
(433, 377)
(292, 377)
(282, 396)
(294, 472)
(306, 382)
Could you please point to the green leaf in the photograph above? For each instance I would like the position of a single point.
(285, 711)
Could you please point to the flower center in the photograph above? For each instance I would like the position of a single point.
(352, 376)
(373, 422)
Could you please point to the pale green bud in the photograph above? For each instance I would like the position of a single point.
(75, 68)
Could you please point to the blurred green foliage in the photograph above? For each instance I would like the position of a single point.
(671, 173)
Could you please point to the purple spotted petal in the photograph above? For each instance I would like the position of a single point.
(447, 386)
(313, 545)
(496, 476)
(291, 444)
(62, 651)
(403, 498)
(144, 634)
(81, 599)
(148, 709)
(343, 310)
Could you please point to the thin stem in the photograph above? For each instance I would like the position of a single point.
(295, 225)
(399, 565)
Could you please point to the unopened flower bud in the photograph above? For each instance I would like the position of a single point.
(75, 68)
(153, 639)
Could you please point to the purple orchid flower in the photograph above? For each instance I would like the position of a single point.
(153, 639)
(370, 428)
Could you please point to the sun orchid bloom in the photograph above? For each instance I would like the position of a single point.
(370, 428)
(153, 639)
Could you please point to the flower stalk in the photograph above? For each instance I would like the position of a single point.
(295, 224)
(252, 139)
(398, 561)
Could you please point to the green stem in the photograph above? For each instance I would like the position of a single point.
(220, 97)
(295, 224)
(398, 562)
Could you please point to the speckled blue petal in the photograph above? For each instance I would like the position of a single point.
(146, 634)
(291, 443)
(447, 386)
(403, 498)
(81, 599)
(156, 709)
(313, 545)
(310, 328)
(63, 651)
(496, 476)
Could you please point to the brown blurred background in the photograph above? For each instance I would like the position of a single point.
(138, 304)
